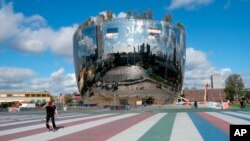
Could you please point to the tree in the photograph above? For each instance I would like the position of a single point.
(128, 14)
(149, 14)
(68, 99)
(52, 98)
(234, 86)
(92, 23)
(109, 15)
(180, 26)
(143, 15)
(168, 18)
(100, 19)
(85, 24)
(135, 14)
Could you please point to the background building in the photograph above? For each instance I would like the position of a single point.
(216, 82)
(123, 59)
(213, 95)
(24, 96)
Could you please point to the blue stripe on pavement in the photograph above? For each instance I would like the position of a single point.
(208, 131)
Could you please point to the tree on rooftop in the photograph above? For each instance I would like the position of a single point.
(109, 15)
(128, 14)
(135, 14)
(85, 24)
(100, 19)
(149, 14)
(180, 26)
(143, 15)
(92, 22)
(168, 18)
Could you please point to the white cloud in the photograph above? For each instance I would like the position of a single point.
(12, 78)
(32, 35)
(121, 15)
(63, 82)
(32, 41)
(199, 69)
(15, 75)
(35, 21)
(188, 4)
(63, 41)
(9, 21)
(246, 79)
(192, 61)
(23, 79)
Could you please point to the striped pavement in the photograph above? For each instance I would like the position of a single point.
(165, 126)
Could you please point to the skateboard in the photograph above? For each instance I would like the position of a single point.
(57, 128)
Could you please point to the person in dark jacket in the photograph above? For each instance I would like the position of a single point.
(50, 114)
(195, 104)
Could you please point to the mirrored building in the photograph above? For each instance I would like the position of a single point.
(124, 59)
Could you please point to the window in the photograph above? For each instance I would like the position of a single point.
(9, 95)
(112, 33)
(3, 95)
(154, 30)
(112, 30)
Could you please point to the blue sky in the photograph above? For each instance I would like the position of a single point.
(36, 39)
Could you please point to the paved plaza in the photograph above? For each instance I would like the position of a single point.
(124, 126)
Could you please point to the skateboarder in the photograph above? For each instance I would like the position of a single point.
(50, 114)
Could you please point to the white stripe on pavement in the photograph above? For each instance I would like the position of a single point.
(40, 119)
(237, 114)
(184, 129)
(21, 129)
(73, 129)
(13, 118)
(230, 119)
(244, 112)
(135, 132)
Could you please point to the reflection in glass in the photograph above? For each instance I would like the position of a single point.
(145, 56)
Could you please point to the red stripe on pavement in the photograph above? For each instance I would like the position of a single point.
(105, 131)
(22, 134)
(222, 124)
(42, 130)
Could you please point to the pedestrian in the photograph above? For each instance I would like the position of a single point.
(50, 114)
(241, 103)
(195, 104)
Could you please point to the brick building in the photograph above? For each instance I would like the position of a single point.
(198, 95)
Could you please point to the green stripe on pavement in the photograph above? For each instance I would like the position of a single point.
(162, 130)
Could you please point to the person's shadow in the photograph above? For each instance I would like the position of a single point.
(59, 127)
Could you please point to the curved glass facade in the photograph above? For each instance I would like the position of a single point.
(129, 52)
